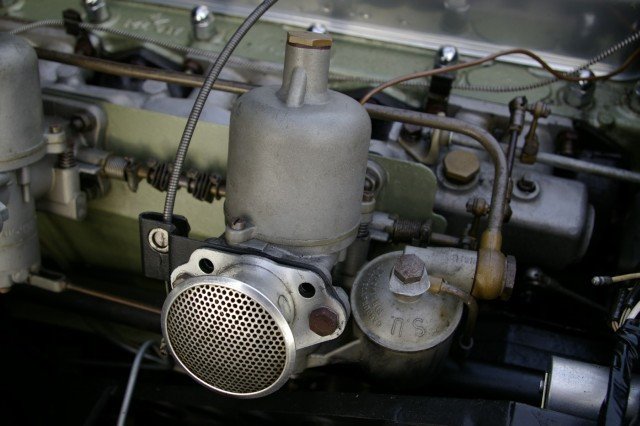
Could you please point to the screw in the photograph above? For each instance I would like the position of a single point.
(526, 183)
(323, 321)
(159, 240)
(238, 224)
(409, 269)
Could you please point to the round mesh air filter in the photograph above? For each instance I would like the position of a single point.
(228, 336)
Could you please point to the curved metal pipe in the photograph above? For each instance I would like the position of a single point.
(501, 176)
(472, 311)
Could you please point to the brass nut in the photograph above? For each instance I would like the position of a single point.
(461, 166)
(309, 39)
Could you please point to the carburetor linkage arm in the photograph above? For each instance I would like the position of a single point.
(491, 266)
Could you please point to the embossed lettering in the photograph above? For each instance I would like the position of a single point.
(397, 323)
(417, 324)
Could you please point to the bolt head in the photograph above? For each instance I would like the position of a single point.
(461, 166)
(409, 268)
(409, 277)
(200, 14)
(97, 10)
(526, 183)
(323, 321)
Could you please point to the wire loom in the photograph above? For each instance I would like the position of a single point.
(626, 351)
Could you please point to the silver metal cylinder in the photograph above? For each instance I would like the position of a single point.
(404, 337)
(21, 140)
(579, 388)
(298, 156)
(580, 93)
(202, 23)
(97, 10)
(21, 145)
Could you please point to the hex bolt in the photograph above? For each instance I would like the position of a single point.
(159, 240)
(97, 10)
(409, 269)
(526, 183)
(202, 23)
(461, 166)
(323, 321)
(238, 224)
(368, 196)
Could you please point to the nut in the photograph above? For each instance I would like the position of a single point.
(526, 183)
(477, 206)
(409, 268)
(461, 166)
(309, 39)
(323, 321)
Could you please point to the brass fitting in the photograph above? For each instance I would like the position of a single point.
(309, 40)
(489, 281)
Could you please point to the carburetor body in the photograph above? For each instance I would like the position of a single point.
(297, 157)
(21, 145)
(291, 148)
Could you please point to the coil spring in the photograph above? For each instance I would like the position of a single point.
(201, 185)
(159, 175)
(363, 230)
(116, 167)
(406, 229)
(67, 159)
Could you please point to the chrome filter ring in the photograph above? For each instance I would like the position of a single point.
(228, 336)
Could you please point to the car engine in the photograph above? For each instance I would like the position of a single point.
(331, 212)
